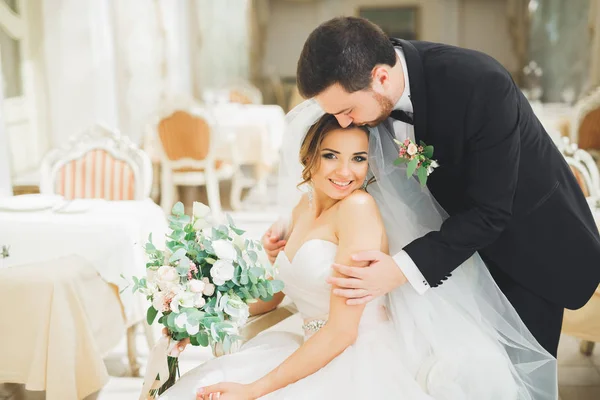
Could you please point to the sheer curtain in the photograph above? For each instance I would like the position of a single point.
(5, 185)
(221, 47)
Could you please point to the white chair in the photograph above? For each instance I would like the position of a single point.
(188, 140)
(585, 169)
(244, 93)
(585, 123)
(98, 163)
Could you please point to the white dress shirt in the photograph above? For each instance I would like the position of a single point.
(402, 131)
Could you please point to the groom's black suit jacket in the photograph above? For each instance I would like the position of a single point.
(509, 192)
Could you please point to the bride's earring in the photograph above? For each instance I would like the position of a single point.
(310, 195)
(365, 183)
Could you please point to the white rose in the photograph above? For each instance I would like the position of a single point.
(151, 289)
(185, 300)
(224, 250)
(196, 286)
(207, 232)
(182, 322)
(434, 164)
(158, 302)
(166, 276)
(209, 290)
(200, 224)
(200, 210)
(222, 271)
(199, 301)
(237, 309)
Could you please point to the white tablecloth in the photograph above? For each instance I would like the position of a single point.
(109, 235)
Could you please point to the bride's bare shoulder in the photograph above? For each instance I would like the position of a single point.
(359, 204)
(357, 199)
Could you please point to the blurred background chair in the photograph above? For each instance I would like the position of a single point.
(585, 125)
(98, 163)
(188, 138)
(244, 93)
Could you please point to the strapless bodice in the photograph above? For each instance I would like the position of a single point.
(305, 283)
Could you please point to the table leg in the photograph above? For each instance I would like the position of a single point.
(131, 351)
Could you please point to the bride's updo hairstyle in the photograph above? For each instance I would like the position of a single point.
(309, 151)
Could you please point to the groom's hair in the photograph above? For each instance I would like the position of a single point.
(342, 50)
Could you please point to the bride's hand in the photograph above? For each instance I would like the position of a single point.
(224, 391)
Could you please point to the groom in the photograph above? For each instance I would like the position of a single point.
(509, 192)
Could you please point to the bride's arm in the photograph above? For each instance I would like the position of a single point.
(359, 228)
(261, 306)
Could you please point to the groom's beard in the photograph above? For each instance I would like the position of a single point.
(386, 109)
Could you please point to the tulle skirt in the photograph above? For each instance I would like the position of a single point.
(371, 368)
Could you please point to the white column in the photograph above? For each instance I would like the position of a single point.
(5, 184)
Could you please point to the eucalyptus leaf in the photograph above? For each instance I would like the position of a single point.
(254, 291)
(253, 256)
(253, 279)
(244, 277)
(428, 151)
(269, 287)
(177, 255)
(422, 174)
(277, 285)
(151, 315)
(261, 290)
(178, 209)
(256, 271)
(202, 338)
(401, 160)
(412, 165)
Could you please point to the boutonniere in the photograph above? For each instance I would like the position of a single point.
(418, 159)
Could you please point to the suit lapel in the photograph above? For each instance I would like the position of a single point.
(416, 79)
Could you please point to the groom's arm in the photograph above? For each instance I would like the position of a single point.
(493, 138)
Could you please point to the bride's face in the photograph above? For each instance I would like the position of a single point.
(343, 162)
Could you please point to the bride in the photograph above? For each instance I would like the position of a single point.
(462, 340)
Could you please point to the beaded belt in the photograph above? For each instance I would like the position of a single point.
(374, 315)
(311, 326)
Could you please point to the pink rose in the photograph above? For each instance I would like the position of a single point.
(402, 151)
(196, 286)
(412, 149)
(406, 142)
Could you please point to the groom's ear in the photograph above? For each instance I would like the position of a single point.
(380, 77)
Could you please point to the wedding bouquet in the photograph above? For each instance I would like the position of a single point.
(201, 285)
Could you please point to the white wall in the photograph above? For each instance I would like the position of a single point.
(477, 24)
(484, 27)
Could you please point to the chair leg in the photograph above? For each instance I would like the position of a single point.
(212, 191)
(586, 347)
(167, 190)
(131, 351)
(236, 190)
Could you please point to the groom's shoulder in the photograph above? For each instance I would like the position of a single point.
(447, 61)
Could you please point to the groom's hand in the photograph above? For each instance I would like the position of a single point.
(363, 284)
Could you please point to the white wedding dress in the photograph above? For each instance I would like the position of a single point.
(381, 364)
